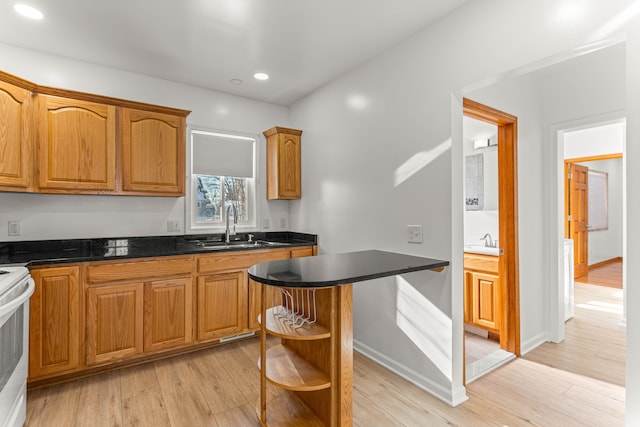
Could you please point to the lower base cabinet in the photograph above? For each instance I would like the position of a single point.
(482, 292)
(89, 316)
(54, 324)
(221, 302)
(114, 322)
(167, 314)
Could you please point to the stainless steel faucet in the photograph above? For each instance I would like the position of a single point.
(235, 221)
(488, 241)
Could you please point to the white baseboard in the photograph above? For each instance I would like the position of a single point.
(450, 397)
(532, 343)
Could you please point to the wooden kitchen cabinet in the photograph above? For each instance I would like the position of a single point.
(283, 163)
(55, 323)
(153, 152)
(76, 145)
(482, 292)
(136, 307)
(114, 322)
(221, 305)
(16, 170)
(167, 314)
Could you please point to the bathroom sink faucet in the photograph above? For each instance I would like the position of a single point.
(488, 241)
(235, 221)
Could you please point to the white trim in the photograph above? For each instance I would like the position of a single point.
(450, 397)
(533, 343)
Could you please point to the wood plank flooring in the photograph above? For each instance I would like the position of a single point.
(609, 274)
(219, 387)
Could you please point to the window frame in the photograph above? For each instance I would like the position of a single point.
(191, 211)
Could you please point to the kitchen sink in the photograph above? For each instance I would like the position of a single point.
(237, 245)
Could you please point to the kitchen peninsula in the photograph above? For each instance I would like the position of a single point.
(308, 304)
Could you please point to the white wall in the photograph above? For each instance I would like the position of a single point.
(393, 115)
(62, 217)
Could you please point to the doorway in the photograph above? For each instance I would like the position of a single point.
(492, 300)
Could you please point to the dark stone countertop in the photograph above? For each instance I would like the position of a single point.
(339, 269)
(101, 249)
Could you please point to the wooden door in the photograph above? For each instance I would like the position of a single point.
(54, 335)
(222, 306)
(167, 314)
(15, 138)
(114, 322)
(77, 145)
(578, 216)
(153, 153)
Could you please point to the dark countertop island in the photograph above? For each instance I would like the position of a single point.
(338, 269)
(307, 303)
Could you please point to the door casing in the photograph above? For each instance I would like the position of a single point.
(508, 218)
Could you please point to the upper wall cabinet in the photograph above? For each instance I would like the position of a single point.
(15, 138)
(76, 145)
(61, 141)
(283, 163)
(153, 152)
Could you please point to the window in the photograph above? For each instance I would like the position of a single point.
(222, 174)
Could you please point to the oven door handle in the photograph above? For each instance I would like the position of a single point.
(16, 302)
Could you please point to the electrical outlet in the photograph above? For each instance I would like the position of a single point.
(14, 228)
(414, 233)
(265, 223)
(173, 225)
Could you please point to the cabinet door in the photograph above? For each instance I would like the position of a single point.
(153, 152)
(289, 166)
(77, 145)
(485, 310)
(221, 305)
(167, 314)
(114, 322)
(54, 332)
(15, 138)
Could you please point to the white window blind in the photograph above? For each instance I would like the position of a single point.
(221, 154)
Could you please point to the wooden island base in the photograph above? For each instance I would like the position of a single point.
(313, 363)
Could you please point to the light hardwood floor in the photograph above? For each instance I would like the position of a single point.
(576, 383)
(608, 274)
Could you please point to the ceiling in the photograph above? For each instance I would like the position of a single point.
(301, 44)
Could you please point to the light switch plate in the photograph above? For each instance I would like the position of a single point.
(414, 233)
(265, 223)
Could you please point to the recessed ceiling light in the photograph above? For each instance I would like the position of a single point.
(28, 11)
(236, 82)
(261, 76)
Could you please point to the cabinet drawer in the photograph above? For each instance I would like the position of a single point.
(138, 270)
(478, 262)
(238, 260)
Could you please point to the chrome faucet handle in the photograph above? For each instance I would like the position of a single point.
(250, 238)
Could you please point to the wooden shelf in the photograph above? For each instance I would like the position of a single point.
(287, 370)
(286, 410)
(283, 329)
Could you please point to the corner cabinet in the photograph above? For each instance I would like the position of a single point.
(153, 153)
(482, 291)
(283, 163)
(76, 145)
(15, 138)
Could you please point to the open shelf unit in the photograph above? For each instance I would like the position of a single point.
(313, 362)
